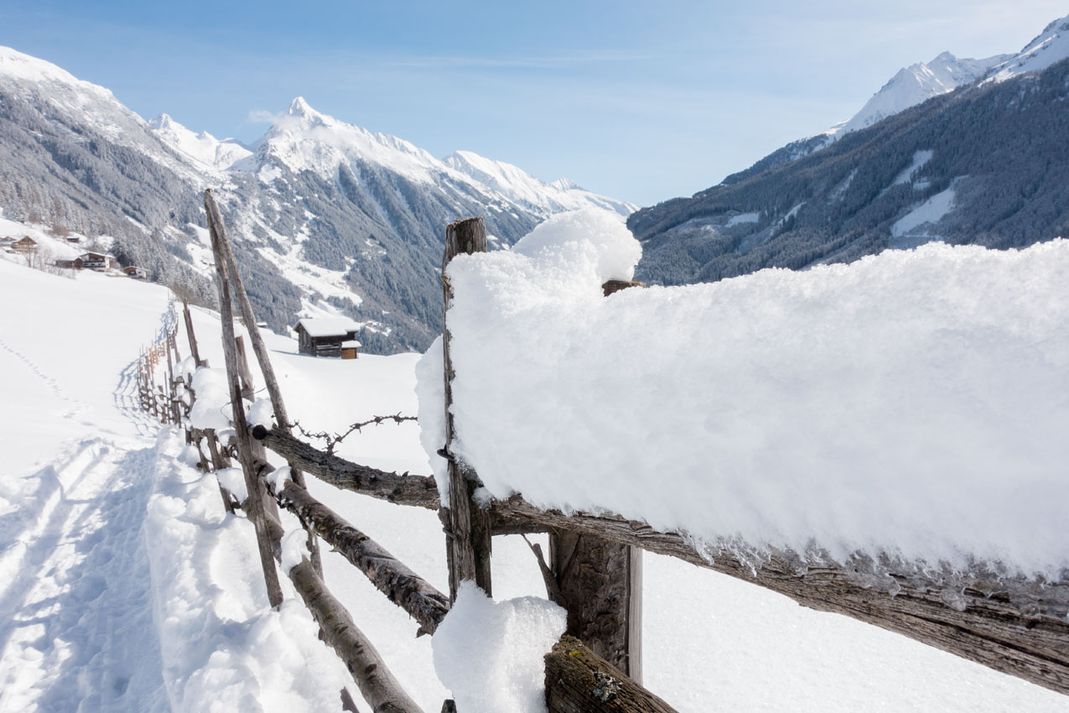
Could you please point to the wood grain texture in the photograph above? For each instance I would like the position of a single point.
(599, 584)
(468, 532)
(579, 681)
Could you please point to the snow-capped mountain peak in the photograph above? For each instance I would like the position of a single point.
(200, 146)
(300, 107)
(1049, 47)
(306, 139)
(918, 83)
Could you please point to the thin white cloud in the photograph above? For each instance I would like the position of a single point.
(559, 61)
(263, 116)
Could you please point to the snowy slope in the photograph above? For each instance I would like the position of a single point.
(199, 146)
(76, 623)
(1049, 47)
(33, 79)
(521, 187)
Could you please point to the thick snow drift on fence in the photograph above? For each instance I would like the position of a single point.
(913, 402)
(491, 654)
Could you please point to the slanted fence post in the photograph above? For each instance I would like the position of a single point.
(599, 583)
(259, 348)
(259, 505)
(468, 524)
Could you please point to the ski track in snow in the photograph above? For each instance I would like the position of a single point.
(76, 624)
(76, 618)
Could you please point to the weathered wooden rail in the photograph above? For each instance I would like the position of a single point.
(1012, 624)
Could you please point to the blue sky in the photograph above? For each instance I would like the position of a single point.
(639, 100)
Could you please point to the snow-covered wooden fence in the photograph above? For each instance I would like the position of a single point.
(1011, 623)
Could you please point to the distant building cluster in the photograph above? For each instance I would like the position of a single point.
(90, 260)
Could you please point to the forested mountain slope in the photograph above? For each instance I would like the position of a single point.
(986, 164)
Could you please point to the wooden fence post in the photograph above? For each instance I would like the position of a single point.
(248, 386)
(191, 336)
(469, 540)
(259, 504)
(274, 392)
(599, 583)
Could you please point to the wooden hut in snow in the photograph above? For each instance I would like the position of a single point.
(25, 245)
(327, 336)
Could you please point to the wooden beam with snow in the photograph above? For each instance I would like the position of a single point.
(390, 576)
(1012, 624)
(469, 535)
(403, 489)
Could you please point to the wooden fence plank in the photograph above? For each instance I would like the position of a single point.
(378, 686)
(191, 336)
(599, 584)
(1016, 626)
(1012, 624)
(390, 576)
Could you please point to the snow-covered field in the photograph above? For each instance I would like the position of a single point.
(124, 586)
